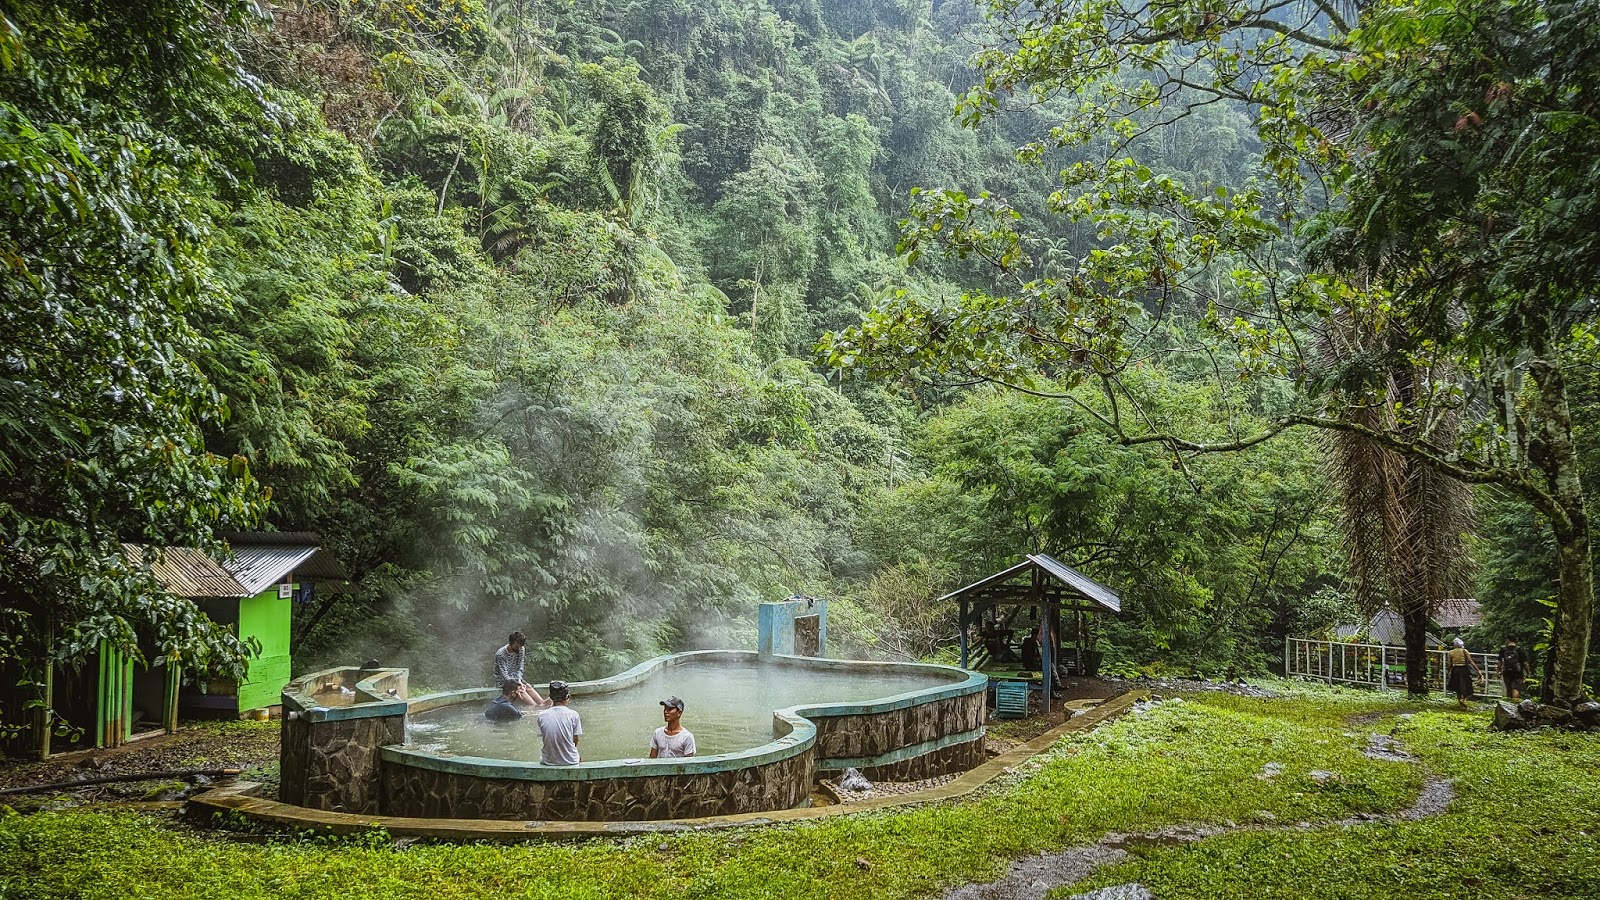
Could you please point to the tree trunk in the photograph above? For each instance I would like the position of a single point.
(1574, 555)
(1574, 604)
(1416, 622)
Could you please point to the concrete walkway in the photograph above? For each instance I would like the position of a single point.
(239, 797)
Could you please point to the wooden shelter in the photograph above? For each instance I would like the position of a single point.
(1049, 588)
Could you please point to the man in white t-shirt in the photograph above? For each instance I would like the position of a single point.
(559, 728)
(671, 740)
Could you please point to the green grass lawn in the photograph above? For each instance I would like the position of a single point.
(1194, 762)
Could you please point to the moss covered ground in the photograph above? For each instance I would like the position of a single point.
(1523, 824)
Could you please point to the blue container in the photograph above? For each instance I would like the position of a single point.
(1010, 699)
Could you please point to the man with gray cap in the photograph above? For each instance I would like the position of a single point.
(671, 740)
(559, 728)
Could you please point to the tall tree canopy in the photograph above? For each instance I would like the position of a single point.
(1354, 149)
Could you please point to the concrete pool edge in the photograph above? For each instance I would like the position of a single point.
(238, 798)
(801, 721)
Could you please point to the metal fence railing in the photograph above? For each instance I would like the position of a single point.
(1374, 665)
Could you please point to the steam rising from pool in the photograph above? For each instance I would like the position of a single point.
(729, 708)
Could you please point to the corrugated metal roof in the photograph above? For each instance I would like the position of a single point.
(1458, 613)
(1090, 589)
(258, 567)
(1080, 582)
(262, 559)
(186, 571)
(1385, 627)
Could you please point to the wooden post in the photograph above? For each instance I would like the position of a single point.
(1046, 657)
(169, 715)
(961, 616)
(44, 719)
(100, 698)
(1046, 651)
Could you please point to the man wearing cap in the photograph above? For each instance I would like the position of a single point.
(671, 740)
(559, 728)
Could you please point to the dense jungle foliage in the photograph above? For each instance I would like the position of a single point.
(517, 304)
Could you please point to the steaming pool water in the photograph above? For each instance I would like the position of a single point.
(729, 708)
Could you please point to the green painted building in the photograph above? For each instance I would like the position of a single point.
(116, 699)
(272, 571)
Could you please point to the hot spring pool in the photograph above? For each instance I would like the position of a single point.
(766, 726)
(729, 707)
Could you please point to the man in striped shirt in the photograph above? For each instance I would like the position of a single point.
(508, 662)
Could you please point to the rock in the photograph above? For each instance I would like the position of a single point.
(1508, 717)
(1270, 771)
(1550, 714)
(1322, 777)
(862, 863)
(853, 780)
(1118, 892)
(1588, 713)
(1529, 710)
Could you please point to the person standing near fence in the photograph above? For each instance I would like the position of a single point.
(1513, 667)
(1462, 672)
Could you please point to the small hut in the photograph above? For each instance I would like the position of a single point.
(1049, 590)
(116, 699)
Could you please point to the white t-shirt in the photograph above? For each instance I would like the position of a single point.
(668, 746)
(558, 728)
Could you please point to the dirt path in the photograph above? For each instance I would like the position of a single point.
(250, 746)
(1035, 876)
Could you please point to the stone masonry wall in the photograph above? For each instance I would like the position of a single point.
(334, 765)
(944, 761)
(414, 791)
(874, 734)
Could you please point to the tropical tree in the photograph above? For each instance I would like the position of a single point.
(102, 257)
(1380, 113)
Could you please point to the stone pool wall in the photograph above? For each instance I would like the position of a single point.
(328, 756)
(352, 758)
(922, 740)
(411, 790)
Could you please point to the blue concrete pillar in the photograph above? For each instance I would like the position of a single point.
(775, 625)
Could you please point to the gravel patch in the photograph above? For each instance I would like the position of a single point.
(891, 789)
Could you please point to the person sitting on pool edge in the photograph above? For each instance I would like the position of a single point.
(671, 740)
(560, 727)
(501, 708)
(508, 666)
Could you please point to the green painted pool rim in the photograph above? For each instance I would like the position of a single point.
(799, 738)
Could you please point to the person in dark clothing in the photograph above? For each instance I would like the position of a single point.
(995, 641)
(501, 708)
(1031, 660)
(1513, 667)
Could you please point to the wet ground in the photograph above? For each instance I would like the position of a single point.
(1033, 877)
(251, 747)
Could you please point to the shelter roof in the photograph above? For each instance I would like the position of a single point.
(1068, 584)
(1385, 627)
(186, 571)
(1459, 613)
(260, 560)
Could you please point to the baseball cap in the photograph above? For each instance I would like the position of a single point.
(673, 702)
